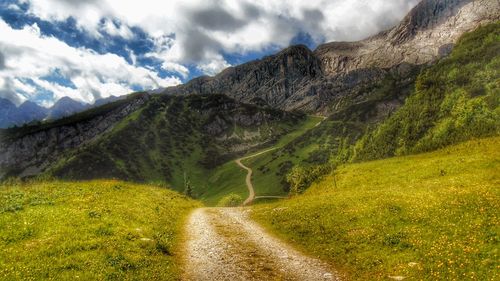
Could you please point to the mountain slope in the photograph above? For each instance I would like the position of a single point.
(427, 33)
(29, 150)
(144, 138)
(446, 103)
(319, 81)
(65, 107)
(9, 113)
(30, 111)
(174, 137)
(455, 100)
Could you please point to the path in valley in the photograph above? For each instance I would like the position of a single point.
(248, 180)
(251, 191)
(225, 244)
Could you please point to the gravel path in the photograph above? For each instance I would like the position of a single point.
(224, 244)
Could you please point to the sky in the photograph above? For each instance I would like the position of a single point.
(92, 49)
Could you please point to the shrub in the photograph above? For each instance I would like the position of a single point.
(230, 200)
(300, 178)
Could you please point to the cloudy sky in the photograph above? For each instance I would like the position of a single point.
(90, 49)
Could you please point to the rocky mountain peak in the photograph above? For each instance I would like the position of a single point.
(65, 107)
(425, 34)
(426, 15)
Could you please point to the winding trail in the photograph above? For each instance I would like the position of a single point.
(251, 191)
(225, 244)
(248, 180)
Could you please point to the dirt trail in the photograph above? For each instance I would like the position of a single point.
(251, 191)
(224, 244)
(319, 123)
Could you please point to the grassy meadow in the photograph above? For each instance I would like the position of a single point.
(431, 216)
(228, 178)
(96, 230)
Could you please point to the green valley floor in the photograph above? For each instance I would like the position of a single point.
(431, 216)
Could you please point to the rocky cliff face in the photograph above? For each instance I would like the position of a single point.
(272, 80)
(425, 34)
(317, 82)
(30, 153)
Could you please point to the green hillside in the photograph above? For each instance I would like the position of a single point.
(97, 230)
(319, 149)
(177, 140)
(455, 100)
(430, 216)
(229, 178)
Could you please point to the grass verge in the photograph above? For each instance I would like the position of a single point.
(431, 216)
(90, 230)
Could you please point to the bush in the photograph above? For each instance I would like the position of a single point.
(300, 178)
(231, 200)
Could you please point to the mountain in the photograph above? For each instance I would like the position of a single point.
(17, 116)
(102, 101)
(9, 113)
(320, 81)
(455, 100)
(58, 136)
(197, 126)
(27, 112)
(427, 33)
(65, 106)
(449, 102)
(30, 111)
(158, 137)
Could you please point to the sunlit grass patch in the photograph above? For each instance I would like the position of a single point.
(90, 230)
(432, 216)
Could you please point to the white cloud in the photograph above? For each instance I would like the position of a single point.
(213, 66)
(175, 67)
(25, 88)
(13, 7)
(205, 28)
(29, 55)
(118, 30)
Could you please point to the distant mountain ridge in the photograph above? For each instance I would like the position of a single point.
(11, 115)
